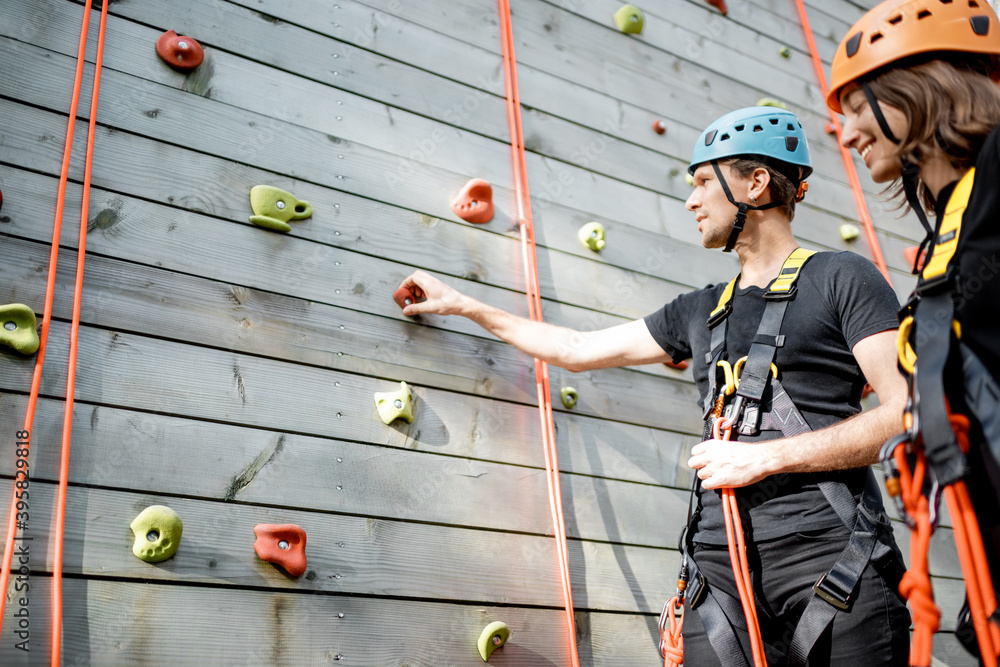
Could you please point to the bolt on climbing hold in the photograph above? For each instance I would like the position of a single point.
(475, 202)
(157, 532)
(659, 127)
(569, 396)
(630, 19)
(17, 328)
(273, 208)
(720, 5)
(405, 296)
(680, 365)
(393, 405)
(493, 637)
(282, 544)
(591, 235)
(849, 232)
(785, 52)
(771, 102)
(179, 51)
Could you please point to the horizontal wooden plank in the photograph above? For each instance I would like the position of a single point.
(183, 308)
(346, 554)
(279, 401)
(121, 623)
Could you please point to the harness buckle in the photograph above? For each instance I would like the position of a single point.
(750, 424)
(832, 594)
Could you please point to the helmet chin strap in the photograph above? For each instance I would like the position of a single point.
(742, 208)
(911, 173)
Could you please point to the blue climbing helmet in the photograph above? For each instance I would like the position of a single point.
(765, 131)
(770, 133)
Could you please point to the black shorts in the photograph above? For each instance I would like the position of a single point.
(874, 631)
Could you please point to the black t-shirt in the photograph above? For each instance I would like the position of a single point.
(841, 299)
(978, 256)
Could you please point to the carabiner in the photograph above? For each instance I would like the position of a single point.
(887, 456)
(739, 367)
(727, 370)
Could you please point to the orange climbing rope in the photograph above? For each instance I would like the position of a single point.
(915, 586)
(29, 418)
(73, 346)
(852, 173)
(530, 260)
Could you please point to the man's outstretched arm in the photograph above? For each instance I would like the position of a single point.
(623, 345)
(852, 443)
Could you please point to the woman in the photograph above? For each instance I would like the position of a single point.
(916, 83)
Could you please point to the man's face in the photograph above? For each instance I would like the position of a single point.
(712, 211)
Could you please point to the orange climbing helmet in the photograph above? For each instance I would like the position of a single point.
(897, 29)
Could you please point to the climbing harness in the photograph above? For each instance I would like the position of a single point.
(12, 524)
(852, 173)
(928, 461)
(527, 229)
(740, 401)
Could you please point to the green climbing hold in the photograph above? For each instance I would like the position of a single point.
(393, 405)
(494, 636)
(569, 396)
(690, 179)
(273, 208)
(785, 52)
(17, 328)
(771, 102)
(157, 532)
(849, 232)
(629, 19)
(591, 235)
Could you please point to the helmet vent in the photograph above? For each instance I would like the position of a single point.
(724, 137)
(973, 3)
(874, 38)
(791, 128)
(924, 13)
(896, 19)
(774, 121)
(852, 45)
(710, 137)
(758, 128)
(980, 24)
(945, 2)
(739, 128)
(791, 143)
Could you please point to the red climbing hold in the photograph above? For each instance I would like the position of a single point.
(475, 202)
(680, 365)
(911, 255)
(282, 544)
(659, 127)
(867, 390)
(180, 52)
(404, 296)
(720, 5)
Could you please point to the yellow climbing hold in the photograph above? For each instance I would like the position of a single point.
(17, 328)
(569, 396)
(494, 636)
(629, 19)
(849, 232)
(771, 102)
(393, 405)
(592, 236)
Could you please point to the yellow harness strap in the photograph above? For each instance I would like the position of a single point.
(947, 238)
(780, 286)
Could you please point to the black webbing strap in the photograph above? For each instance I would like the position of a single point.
(982, 397)
(757, 369)
(741, 209)
(716, 353)
(783, 415)
(836, 590)
(932, 324)
(722, 617)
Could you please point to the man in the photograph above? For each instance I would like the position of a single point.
(804, 498)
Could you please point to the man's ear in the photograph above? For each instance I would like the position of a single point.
(759, 180)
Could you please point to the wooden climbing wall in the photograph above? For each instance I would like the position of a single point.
(227, 371)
